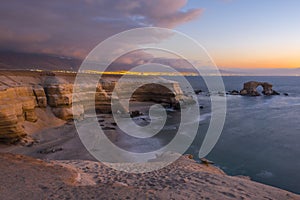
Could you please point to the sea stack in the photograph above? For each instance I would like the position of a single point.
(251, 86)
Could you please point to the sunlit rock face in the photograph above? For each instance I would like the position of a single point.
(250, 89)
(10, 128)
(67, 103)
(20, 98)
(17, 104)
(40, 95)
(62, 98)
(152, 89)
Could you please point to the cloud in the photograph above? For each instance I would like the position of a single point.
(140, 57)
(74, 27)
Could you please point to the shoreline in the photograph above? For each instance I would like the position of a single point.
(73, 156)
(58, 144)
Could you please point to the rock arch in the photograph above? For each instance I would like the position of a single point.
(250, 89)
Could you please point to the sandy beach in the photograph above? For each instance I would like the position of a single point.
(68, 171)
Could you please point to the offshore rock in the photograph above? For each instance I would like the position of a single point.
(250, 89)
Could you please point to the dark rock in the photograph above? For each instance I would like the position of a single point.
(205, 161)
(275, 93)
(176, 106)
(197, 91)
(285, 94)
(234, 92)
(135, 113)
(108, 128)
(50, 150)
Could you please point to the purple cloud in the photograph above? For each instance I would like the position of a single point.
(73, 28)
(133, 59)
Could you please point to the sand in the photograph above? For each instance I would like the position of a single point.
(68, 171)
(27, 178)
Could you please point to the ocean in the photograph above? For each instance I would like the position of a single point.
(260, 138)
(261, 135)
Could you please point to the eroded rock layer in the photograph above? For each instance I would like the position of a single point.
(17, 104)
(20, 96)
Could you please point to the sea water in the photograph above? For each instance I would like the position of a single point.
(260, 138)
(261, 135)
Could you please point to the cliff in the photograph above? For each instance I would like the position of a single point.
(17, 104)
(22, 93)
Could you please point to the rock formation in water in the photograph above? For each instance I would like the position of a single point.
(20, 95)
(250, 89)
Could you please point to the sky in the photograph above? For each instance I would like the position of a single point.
(236, 33)
(249, 34)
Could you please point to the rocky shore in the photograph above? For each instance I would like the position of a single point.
(55, 165)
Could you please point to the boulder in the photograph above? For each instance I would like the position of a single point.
(69, 113)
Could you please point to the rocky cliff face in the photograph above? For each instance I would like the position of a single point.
(18, 102)
(153, 89)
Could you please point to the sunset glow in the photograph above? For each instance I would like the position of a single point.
(236, 34)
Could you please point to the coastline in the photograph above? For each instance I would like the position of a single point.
(56, 142)
(183, 179)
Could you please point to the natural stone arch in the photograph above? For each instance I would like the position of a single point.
(250, 88)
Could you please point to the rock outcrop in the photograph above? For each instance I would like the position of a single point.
(20, 96)
(153, 89)
(17, 104)
(250, 89)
